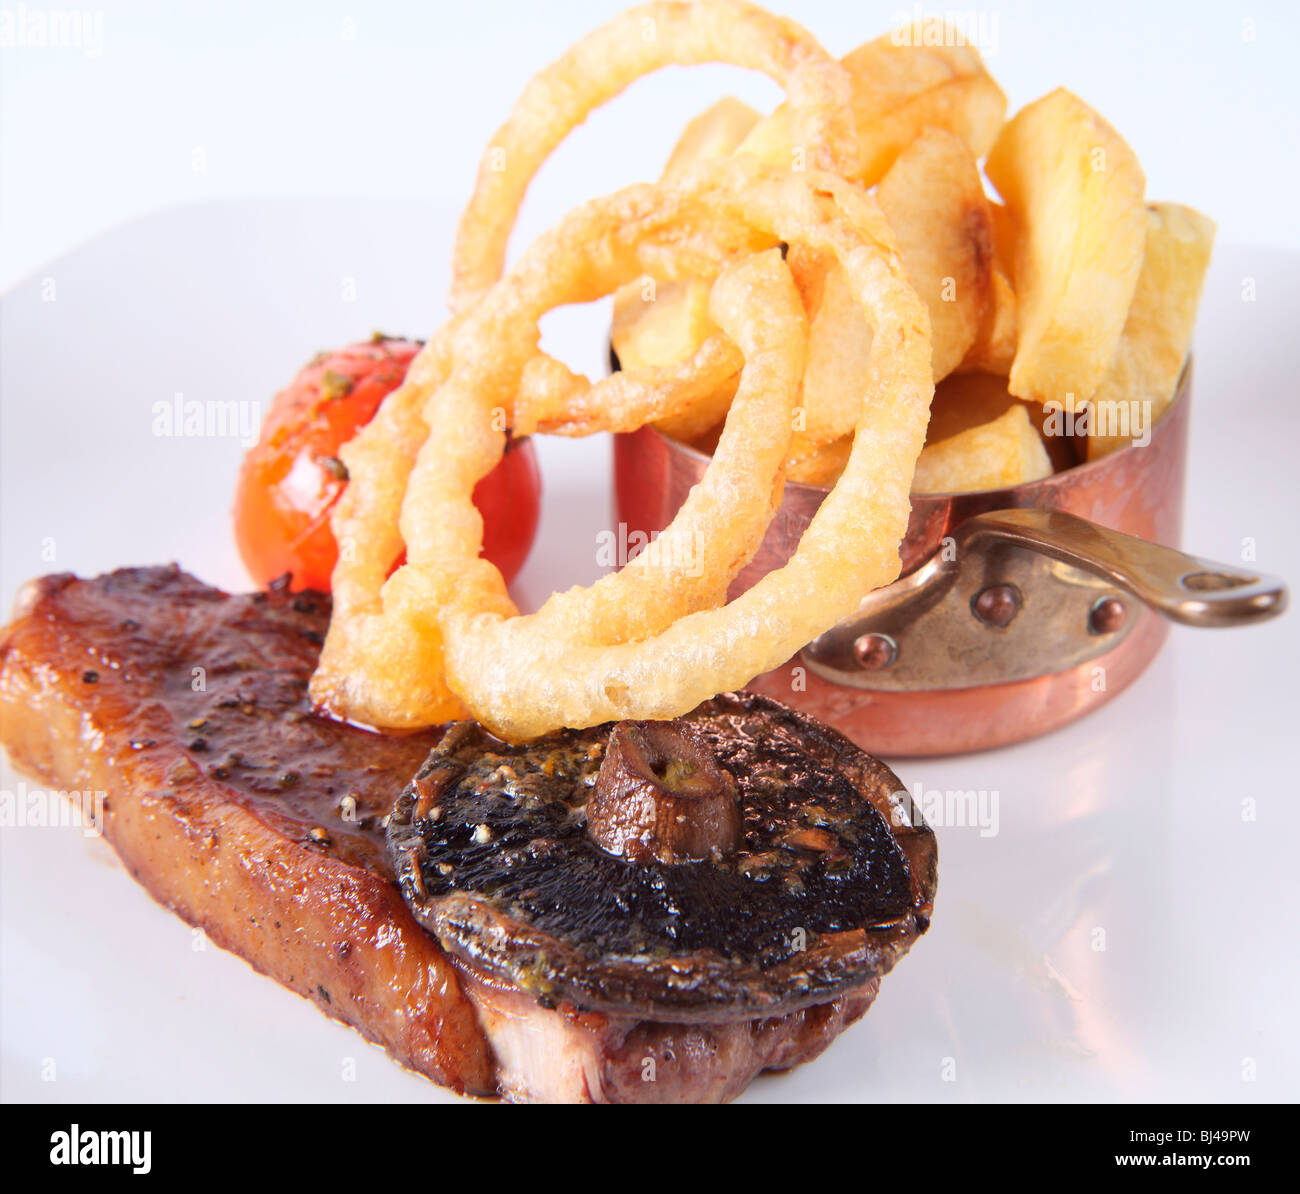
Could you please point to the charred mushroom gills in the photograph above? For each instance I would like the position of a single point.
(742, 863)
(659, 795)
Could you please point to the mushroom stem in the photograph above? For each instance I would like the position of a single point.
(660, 794)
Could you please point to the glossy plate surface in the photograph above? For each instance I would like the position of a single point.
(1117, 900)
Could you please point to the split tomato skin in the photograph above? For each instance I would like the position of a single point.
(292, 478)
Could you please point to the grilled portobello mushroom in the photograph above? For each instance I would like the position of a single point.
(739, 866)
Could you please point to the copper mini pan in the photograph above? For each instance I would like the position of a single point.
(1018, 610)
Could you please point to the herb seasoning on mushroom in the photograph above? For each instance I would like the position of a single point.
(706, 897)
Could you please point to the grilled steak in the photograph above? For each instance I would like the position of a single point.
(248, 814)
(229, 800)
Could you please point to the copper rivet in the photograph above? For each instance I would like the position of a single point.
(874, 651)
(1107, 616)
(997, 604)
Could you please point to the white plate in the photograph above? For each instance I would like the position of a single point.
(1128, 933)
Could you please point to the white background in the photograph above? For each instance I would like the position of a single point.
(1130, 821)
(186, 101)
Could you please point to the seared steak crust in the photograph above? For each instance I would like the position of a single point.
(229, 800)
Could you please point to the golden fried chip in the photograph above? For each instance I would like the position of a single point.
(934, 200)
(1158, 332)
(935, 203)
(902, 85)
(967, 400)
(660, 324)
(713, 134)
(995, 342)
(1073, 189)
(996, 455)
(839, 359)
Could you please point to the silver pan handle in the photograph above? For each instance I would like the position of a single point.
(1016, 594)
(1185, 588)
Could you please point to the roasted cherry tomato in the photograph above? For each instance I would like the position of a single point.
(292, 477)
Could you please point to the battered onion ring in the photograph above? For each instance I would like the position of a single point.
(590, 656)
(606, 61)
(554, 400)
(379, 459)
(361, 643)
(757, 305)
(756, 302)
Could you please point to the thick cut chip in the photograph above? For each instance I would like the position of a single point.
(920, 76)
(1005, 238)
(995, 342)
(963, 402)
(713, 134)
(1141, 381)
(839, 361)
(658, 325)
(1073, 189)
(823, 465)
(996, 455)
(934, 200)
(967, 400)
(666, 327)
(994, 348)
